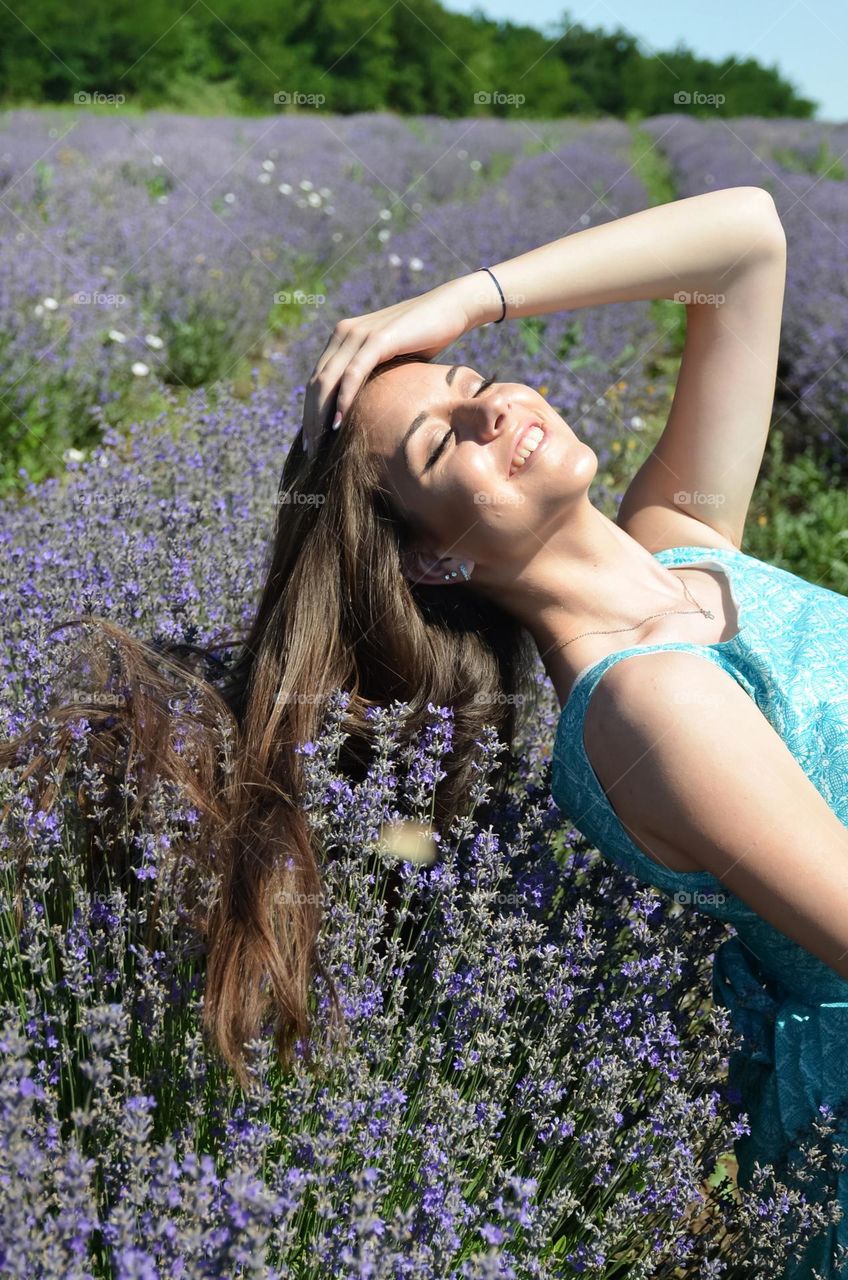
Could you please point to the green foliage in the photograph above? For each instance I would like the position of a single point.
(824, 164)
(361, 55)
(532, 333)
(670, 319)
(197, 96)
(572, 337)
(572, 340)
(36, 431)
(295, 303)
(43, 181)
(798, 520)
(651, 167)
(200, 346)
(159, 185)
(495, 168)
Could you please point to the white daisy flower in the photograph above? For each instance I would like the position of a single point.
(230, 198)
(153, 341)
(38, 309)
(637, 422)
(50, 304)
(325, 192)
(475, 165)
(415, 264)
(395, 260)
(305, 184)
(264, 178)
(268, 165)
(313, 198)
(157, 160)
(73, 455)
(117, 336)
(140, 369)
(385, 214)
(336, 237)
(284, 188)
(384, 234)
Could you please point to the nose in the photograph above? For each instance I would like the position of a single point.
(485, 416)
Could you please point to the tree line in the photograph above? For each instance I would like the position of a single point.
(341, 56)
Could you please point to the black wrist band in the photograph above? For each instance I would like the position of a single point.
(500, 291)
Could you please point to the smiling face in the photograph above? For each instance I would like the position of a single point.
(449, 447)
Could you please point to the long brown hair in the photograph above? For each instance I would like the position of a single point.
(335, 612)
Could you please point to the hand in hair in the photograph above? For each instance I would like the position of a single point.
(427, 324)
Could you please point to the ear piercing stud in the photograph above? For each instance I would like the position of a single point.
(463, 569)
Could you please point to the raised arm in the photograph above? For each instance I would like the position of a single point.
(694, 247)
(698, 245)
(723, 256)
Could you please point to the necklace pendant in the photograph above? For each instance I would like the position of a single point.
(708, 613)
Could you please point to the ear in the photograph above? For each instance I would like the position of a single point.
(428, 568)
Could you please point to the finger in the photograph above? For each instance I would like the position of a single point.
(342, 330)
(370, 354)
(313, 424)
(310, 417)
(310, 411)
(320, 391)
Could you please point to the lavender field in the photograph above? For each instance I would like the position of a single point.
(535, 1083)
(803, 166)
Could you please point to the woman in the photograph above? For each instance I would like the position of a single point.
(716, 767)
(448, 540)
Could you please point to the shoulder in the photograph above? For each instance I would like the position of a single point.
(645, 690)
(657, 724)
(702, 774)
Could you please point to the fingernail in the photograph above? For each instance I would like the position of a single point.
(336, 421)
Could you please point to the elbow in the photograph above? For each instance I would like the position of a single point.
(769, 231)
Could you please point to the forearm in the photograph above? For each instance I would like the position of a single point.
(694, 246)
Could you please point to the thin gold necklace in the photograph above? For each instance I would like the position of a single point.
(708, 613)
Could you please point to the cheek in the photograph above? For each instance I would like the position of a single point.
(480, 472)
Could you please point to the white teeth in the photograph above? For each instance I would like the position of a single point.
(531, 441)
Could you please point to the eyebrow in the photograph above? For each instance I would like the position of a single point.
(420, 418)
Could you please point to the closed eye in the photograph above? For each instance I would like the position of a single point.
(443, 444)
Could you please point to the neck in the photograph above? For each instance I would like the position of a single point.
(588, 575)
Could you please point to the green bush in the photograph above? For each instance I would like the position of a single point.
(798, 519)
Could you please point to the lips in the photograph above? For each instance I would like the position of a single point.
(522, 432)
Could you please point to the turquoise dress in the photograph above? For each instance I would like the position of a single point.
(788, 1008)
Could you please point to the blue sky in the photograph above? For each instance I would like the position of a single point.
(806, 39)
